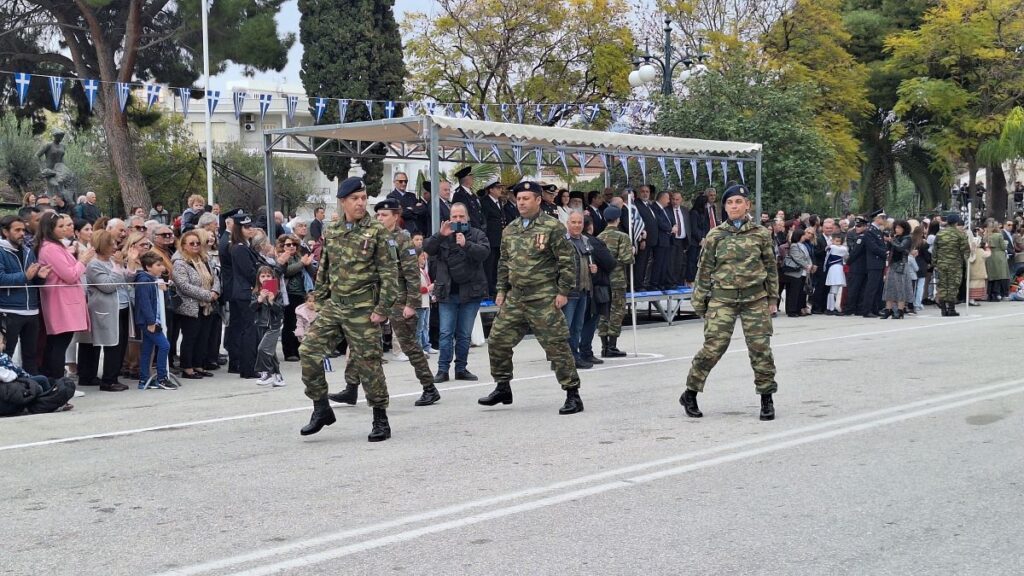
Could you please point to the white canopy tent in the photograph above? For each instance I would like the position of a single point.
(440, 138)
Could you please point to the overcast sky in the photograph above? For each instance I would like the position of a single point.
(288, 21)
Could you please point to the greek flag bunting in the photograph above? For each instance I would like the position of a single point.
(642, 161)
(369, 107)
(22, 81)
(739, 166)
(293, 105)
(725, 173)
(389, 109)
(520, 112)
(693, 168)
(504, 112)
(91, 87)
(212, 99)
(319, 108)
(517, 155)
(538, 154)
(471, 148)
(265, 100)
(152, 94)
(124, 90)
(711, 172)
(56, 91)
(497, 152)
(581, 157)
(342, 110)
(184, 95)
(538, 113)
(604, 160)
(679, 169)
(487, 112)
(624, 160)
(239, 101)
(561, 157)
(664, 168)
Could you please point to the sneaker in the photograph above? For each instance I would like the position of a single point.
(265, 379)
(166, 384)
(399, 357)
(279, 381)
(428, 350)
(79, 393)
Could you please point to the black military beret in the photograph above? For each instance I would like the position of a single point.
(737, 190)
(387, 204)
(527, 186)
(953, 219)
(612, 213)
(464, 172)
(350, 186)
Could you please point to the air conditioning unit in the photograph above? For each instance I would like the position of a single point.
(250, 127)
(249, 119)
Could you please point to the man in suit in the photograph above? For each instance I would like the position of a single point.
(875, 252)
(408, 201)
(595, 206)
(498, 213)
(464, 194)
(705, 217)
(422, 212)
(663, 248)
(679, 257)
(645, 252)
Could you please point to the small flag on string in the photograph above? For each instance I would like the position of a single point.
(22, 81)
(604, 160)
(497, 152)
(212, 99)
(184, 95)
(319, 108)
(517, 156)
(642, 161)
(538, 113)
(265, 100)
(293, 105)
(679, 169)
(430, 107)
(471, 148)
(520, 112)
(389, 109)
(152, 94)
(91, 87)
(239, 101)
(448, 110)
(739, 166)
(662, 162)
(124, 89)
(553, 111)
(725, 173)
(56, 91)
(561, 157)
(369, 107)
(538, 154)
(487, 112)
(592, 113)
(466, 112)
(342, 110)
(693, 169)
(581, 157)
(711, 171)
(624, 160)
(504, 112)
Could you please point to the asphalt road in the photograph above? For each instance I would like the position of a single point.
(897, 450)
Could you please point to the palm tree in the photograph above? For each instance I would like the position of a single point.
(892, 146)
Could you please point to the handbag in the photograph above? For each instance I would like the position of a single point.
(602, 294)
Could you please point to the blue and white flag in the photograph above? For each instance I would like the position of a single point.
(184, 95)
(604, 160)
(739, 166)
(497, 152)
(581, 157)
(265, 100)
(22, 81)
(561, 157)
(430, 106)
(624, 160)
(664, 168)
(552, 112)
(679, 169)
(538, 154)
(212, 99)
(504, 112)
(642, 161)
(319, 108)
(389, 109)
(342, 110)
(91, 88)
(124, 90)
(369, 107)
(538, 113)
(520, 112)
(293, 105)
(517, 155)
(56, 91)
(448, 110)
(487, 112)
(693, 169)
(152, 94)
(239, 101)
(711, 172)
(466, 112)
(725, 173)
(471, 148)
(592, 113)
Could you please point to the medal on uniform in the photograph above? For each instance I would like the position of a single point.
(539, 240)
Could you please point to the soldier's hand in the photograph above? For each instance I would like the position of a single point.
(460, 239)
(561, 301)
(699, 312)
(377, 318)
(408, 312)
(773, 308)
(499, 300)
(446, 229)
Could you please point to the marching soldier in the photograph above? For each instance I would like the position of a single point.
(535, 275)
(736, 278)
(403, 313)
(951, 251)
(622, 249)
(356, 286)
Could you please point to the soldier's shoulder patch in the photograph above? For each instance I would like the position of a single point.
(392, 242)
(860, 240)
(412, 251)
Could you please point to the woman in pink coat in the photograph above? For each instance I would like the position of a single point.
(62, 298)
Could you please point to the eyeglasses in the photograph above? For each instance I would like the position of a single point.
(401, 181)
(140, 228)
(166, 234)
(192, 243)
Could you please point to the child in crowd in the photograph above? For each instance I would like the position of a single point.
(835, 277)
(17, 397)
(268, 304)
(150, 323)
(305, 315)
(426, 293)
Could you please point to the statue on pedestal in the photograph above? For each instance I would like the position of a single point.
(59, 178)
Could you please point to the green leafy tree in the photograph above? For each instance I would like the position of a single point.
(351, 49)
(130, 40)
(241, 184)
(18, 163)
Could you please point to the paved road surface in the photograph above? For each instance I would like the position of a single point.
(897, 451)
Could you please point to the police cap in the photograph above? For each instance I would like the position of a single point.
(463, 173)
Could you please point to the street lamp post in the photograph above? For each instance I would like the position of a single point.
(646, 72)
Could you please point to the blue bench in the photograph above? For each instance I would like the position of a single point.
(667, 302)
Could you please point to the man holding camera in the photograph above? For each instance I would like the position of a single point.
(460, 283)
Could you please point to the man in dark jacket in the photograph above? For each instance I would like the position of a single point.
(19, 304)
(408, 201)
(498, 213)
(645, 253)
(875, 252)
(595, 207)
(600, 299)
(459, 251)
(663, 248)
(465, 195)
(858, 267)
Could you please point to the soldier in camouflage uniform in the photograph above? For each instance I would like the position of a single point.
(403, 313)
(622, 249)
(535, 274)
(950, 254)
(736, 278)
(356, 285)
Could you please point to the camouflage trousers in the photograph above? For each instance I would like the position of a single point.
(405, 330)
(364, 350)
(719, 323)
(612, 325)
(948, 288)
(514, 319)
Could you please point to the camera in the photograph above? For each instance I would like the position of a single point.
(460, 227)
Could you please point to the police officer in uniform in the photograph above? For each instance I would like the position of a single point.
(403, 313)
(858, 267)
(356, 286)
(737, 278)
(535, 274)
(464, 195)
(547, 204)
(875, 255)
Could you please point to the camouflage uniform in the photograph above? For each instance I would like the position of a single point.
(736, 278)
(407, 264)
(950, 254)
(619, 245)
(536, 265)
(357, 277)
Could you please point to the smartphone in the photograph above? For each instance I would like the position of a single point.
(270, 286)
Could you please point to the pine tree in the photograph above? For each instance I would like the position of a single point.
(351, 49)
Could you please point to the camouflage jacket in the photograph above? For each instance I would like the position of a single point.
(355, 264)
(537, 260)
(620, 247)
(951, 248)
(408, 266)
(741, 261)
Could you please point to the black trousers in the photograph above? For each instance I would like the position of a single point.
(231, 334)
(243, 323)
(113, 356)
(641, 268)
(289, 343)
(491, 267)
(659, 267)
(195, 336)
(693, 258)
(53, 358)
(26, 330)
(820, 297)
(679, 261)
(795, 297)
(855, 291)
(215, 339)
(871, 301)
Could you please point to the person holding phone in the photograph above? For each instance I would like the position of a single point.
(268, 311)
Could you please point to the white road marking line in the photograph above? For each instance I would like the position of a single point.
(882, 414)
(731, 350)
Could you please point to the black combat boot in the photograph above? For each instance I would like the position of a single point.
(322, 416)
(943, 308)
(347, 396)
(689, 402)
(593, 359)
(613, 350)
(604, 347)
(430, 395)
(381, 429)
(767, 407)
(502, 394)
(573, 402)
(952, 309)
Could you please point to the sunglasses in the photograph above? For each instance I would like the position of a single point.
(140, 228)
